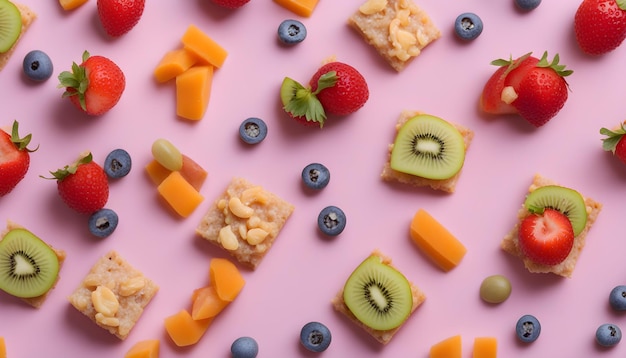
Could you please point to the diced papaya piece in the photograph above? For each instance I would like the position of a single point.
(3, 348)
(144, 349)
(448, 348)
(436, 241)
(184, 330)
(71, 4)
(299, 7)
(226, 278)
(193, 173)
(173, 64)
(181, 196)
(156, 172)
(485, 347)
(206, 303)
(193, 90)
(203, 46)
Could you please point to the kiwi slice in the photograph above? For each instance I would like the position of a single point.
(28, 266)
(378, 295)
(428, 147)
(565, 200)
(10, 25)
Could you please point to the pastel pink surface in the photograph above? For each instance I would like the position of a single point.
(303, 271)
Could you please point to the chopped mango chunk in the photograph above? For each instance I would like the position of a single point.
(156, 172)
(193, 172)
(485, 347)
(206, 303)
(3, 348)
(226, 278)
(181, 196)
(184, 330)
(193, 90)
(71, 4)
(299, 7)
(144, 349)
(436, 241)
(204, 46)
(174, 63)
(448, 348)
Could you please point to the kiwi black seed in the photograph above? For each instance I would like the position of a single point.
(10, 25)
(428, 147)
(378, 295)
(28, 266)
(567, 201)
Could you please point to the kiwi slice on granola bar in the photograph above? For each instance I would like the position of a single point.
(28, 266)
(567, 201)
(10, 25)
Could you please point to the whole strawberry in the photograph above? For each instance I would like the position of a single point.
(95, 86)
(119, 16)
(614, 141)
(600, 25)
(83, 185)
(533, 88)
(231, 4)
(14, 158)
(546, 237)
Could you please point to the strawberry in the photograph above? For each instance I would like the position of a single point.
(533, 88)
(546, 237)
(119, 16)
(14, 158)
(83, 185)
(95, 86)
(231, 4)
(600, 25)
(335, 88)
(614, 141)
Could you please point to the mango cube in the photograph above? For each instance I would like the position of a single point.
(174, 63)
(299, 7)
(179, 194)
(3, 348)
(485, 347)
(144, 349)
(203, 46)
(193, 90)
(71, 4)
(448, 348)
(184, 330)
(436, 241)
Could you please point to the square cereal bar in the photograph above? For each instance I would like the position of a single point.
(397, 29)
(113, 294)
(446, 185)
(245, 221)
(27, 18)
(510, 242)
(39, 300)
(381, 336)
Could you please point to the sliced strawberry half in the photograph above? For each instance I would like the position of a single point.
(546, 238)
(492, 99)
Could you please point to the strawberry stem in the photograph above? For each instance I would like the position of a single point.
(21, 143)
(612, 137)
(75, 82)
(559, 69)
(70, 169)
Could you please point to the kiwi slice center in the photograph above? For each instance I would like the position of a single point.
(378, 295)
(566, 200)
(28, 266)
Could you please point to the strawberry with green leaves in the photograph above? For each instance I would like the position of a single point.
(95, 86)
(546, 237)
(614, 141)
(336, 88)
(83, 185)
(533, 88)
(14, 158)
(600, 25)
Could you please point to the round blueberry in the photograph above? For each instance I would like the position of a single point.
(244, 347)
(253, 130)
(608, 335)
(315, 176)
(103, 222)
(527, 5)
(331, 221)
(117, 164)
(528, 328)
(291, 32)
(468, 26)
(315, 337)
(37, 66)
(617, 298)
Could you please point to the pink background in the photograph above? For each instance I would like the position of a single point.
(304, 270)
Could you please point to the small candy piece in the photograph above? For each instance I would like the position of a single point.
(226, 278)
(184, 330)
(166, 153)
(203, 46)
(315, 176)
(528, 328)
(485, 347)
(608, 335)
(527, 5)
(3, 348)
(253, 130)
(617, 298)
(244, 347)
(315, 337)
(148, 348)
(103, 222)
(206, 303)
(117, 164)
(331, 221)
(447, 348)
(71, 4)
(181, 196)
(37, 66)
(495, 289)
(193, 91)
(468, 26)
(299, 7)
(291, 32)
(174, 63)
(436, 241)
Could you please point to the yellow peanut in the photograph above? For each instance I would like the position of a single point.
(239, 209)
(228, 239)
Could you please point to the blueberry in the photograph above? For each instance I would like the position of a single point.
(103, 222)
(37, 66)
(291, 32)
(315, 337)
(315, 176)
(117, 164)
(617, 298)
(527, 5)
(244, 347)
(253, 130)
(608, 335)
(331, 221)
(468, 26)
(528, 328)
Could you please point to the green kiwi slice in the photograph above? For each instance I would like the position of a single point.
(28, 266)
(378, 295)
(428, 147)
(565, 200)
(10, 25)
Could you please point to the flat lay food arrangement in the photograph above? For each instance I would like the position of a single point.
(293, 178)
